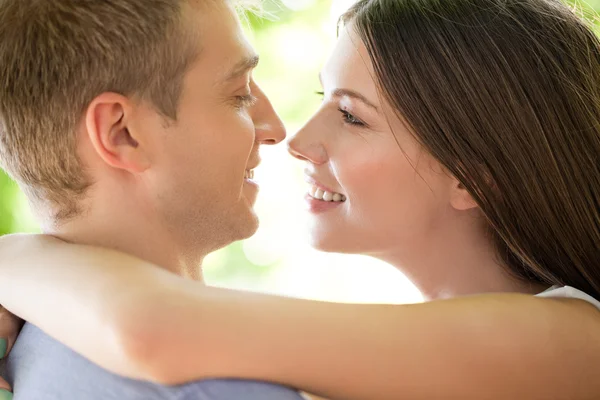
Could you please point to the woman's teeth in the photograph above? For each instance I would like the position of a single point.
(249, 174)
(320, 194)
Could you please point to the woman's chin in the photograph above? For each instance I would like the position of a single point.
(322, 243)
(331, 244)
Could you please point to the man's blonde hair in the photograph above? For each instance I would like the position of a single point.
(56, 56)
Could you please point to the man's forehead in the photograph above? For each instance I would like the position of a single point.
(225, 47)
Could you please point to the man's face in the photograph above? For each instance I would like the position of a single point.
(200, 182)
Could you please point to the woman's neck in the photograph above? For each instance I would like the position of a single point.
(461, 261)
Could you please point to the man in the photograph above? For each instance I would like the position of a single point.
(133, 125)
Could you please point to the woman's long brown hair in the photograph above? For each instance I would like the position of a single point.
(506, 95)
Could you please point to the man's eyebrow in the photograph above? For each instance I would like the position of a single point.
(240, 68)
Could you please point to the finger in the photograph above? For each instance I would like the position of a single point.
(4, 386)
(10, 326)
(9, 329)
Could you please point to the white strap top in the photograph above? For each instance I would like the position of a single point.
(569, 292)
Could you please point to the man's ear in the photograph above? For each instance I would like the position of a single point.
(107, 122)
(460, 198)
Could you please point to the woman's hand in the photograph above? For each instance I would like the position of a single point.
(311, 397)
(10, 326)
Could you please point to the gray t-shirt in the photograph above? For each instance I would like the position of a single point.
(40, 368)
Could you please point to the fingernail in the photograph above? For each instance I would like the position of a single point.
(5, 395)
(3, 347)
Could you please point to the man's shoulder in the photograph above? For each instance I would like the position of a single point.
(40, 367)
(229, 389)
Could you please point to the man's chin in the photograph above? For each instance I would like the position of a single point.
(244, 229)
(248, 225)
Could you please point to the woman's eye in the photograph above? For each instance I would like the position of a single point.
(245, 101)
(347, 117)
(350, 119)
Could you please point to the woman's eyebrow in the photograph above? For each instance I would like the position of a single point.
(354, 95)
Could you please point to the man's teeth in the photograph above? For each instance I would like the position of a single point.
(249, 174)
(321, 194)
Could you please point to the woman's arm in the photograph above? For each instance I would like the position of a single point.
(74, 293)
(138, 320)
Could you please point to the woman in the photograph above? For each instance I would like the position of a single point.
(457, 140)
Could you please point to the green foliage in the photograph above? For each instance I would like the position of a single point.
(8, 196)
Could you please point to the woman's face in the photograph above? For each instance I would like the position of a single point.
(372, 187)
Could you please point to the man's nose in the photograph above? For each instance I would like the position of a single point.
(269, 127)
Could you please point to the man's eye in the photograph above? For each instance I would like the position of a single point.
(246, 101)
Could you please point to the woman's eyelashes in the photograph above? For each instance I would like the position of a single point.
(347, 116)
(350, 119)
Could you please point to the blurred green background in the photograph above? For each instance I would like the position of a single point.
(293, 42)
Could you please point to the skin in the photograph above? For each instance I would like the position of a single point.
(9, 329)
(170, 192)
(470, 347)
(402, 206)
(129, 315)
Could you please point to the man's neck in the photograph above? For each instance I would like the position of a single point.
(132, 234)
